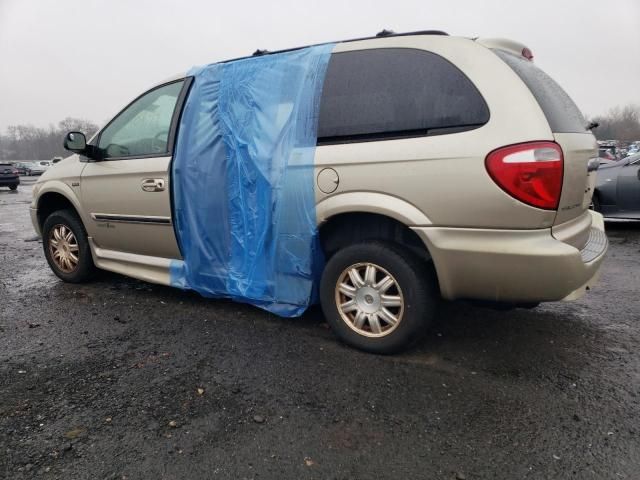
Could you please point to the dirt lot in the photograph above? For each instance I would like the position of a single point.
(122, 379)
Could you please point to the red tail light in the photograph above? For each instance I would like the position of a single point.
(530, 172)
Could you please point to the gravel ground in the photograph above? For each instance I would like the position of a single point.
(122, 379)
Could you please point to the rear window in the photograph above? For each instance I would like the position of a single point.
(396, 92)
(562, 113)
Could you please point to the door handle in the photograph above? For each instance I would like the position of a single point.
(153, 184)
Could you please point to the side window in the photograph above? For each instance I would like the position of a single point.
(143, 127)
(394, 93)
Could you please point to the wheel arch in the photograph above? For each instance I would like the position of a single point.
(56, 198)
(371, 202)
(348, 228)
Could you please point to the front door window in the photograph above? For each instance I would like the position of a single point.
(143, 128)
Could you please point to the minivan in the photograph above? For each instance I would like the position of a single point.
(445, 167)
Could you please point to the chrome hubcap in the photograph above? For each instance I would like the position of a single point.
(63, 248)
(369, 299)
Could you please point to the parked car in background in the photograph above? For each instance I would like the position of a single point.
(9, 176)
(605, 156)
(21, 167)
(617, 192)
(445, 166)
(38, 167)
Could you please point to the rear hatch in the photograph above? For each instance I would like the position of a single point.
(572, 223)
(7, 171)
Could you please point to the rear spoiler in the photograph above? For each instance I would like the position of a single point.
(507, 45)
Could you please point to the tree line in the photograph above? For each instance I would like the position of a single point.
(27, 142)
(621, 123)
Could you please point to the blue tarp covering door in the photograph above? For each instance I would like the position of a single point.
(243, 182)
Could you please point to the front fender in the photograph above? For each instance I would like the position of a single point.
(61, 188)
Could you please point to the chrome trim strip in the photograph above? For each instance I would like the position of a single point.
(108, 217)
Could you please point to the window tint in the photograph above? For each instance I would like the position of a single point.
(143, 127)
(395, 92)
(562, 114)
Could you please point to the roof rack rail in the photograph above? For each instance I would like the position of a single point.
(382, 34)
(385, 33)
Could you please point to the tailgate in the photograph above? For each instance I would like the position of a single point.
(578, 182)
(7, 171)
(572, 224)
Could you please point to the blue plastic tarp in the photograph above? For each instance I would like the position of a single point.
(243, 182)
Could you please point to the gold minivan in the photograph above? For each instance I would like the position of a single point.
(444, 167)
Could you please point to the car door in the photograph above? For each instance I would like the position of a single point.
(629, 189)
(126, 191)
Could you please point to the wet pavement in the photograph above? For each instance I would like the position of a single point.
(122, 379)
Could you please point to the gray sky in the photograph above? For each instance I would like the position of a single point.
(88, 58)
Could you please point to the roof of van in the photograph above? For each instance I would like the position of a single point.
(381, 34)
(499, 43)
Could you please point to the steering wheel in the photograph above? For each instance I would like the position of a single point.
(159, 142)
(115, 150)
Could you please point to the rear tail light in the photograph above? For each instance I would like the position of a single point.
(530, 172)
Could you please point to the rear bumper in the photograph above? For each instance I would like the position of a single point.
(513, 265)
(5, 182)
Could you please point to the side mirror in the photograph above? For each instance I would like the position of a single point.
(75, 142)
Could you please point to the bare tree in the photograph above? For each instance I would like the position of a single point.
(619, 124)
(27, 142)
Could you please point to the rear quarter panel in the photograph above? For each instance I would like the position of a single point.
(444, 176)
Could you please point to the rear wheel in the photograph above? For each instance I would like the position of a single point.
(595, 203)
(66, 247)
(377, 296)
(13, 187)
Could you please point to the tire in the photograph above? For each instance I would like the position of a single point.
(414, 284)
(595, 203)
(84, 268)
(13, 187)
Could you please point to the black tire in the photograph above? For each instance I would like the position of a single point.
(13, 187)
(595, 203)
(415, 278)
(85, 269)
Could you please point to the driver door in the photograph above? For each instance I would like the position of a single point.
(126, 193)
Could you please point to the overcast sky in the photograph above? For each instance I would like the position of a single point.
(88, 58)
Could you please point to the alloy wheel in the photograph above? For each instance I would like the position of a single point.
(63, 248)
(369, 299)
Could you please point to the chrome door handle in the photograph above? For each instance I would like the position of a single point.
(153, 184)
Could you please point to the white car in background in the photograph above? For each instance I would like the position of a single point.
(38, 167)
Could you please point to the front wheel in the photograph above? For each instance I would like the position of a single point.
(66, 247)
(377, 296)
(13, 187)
